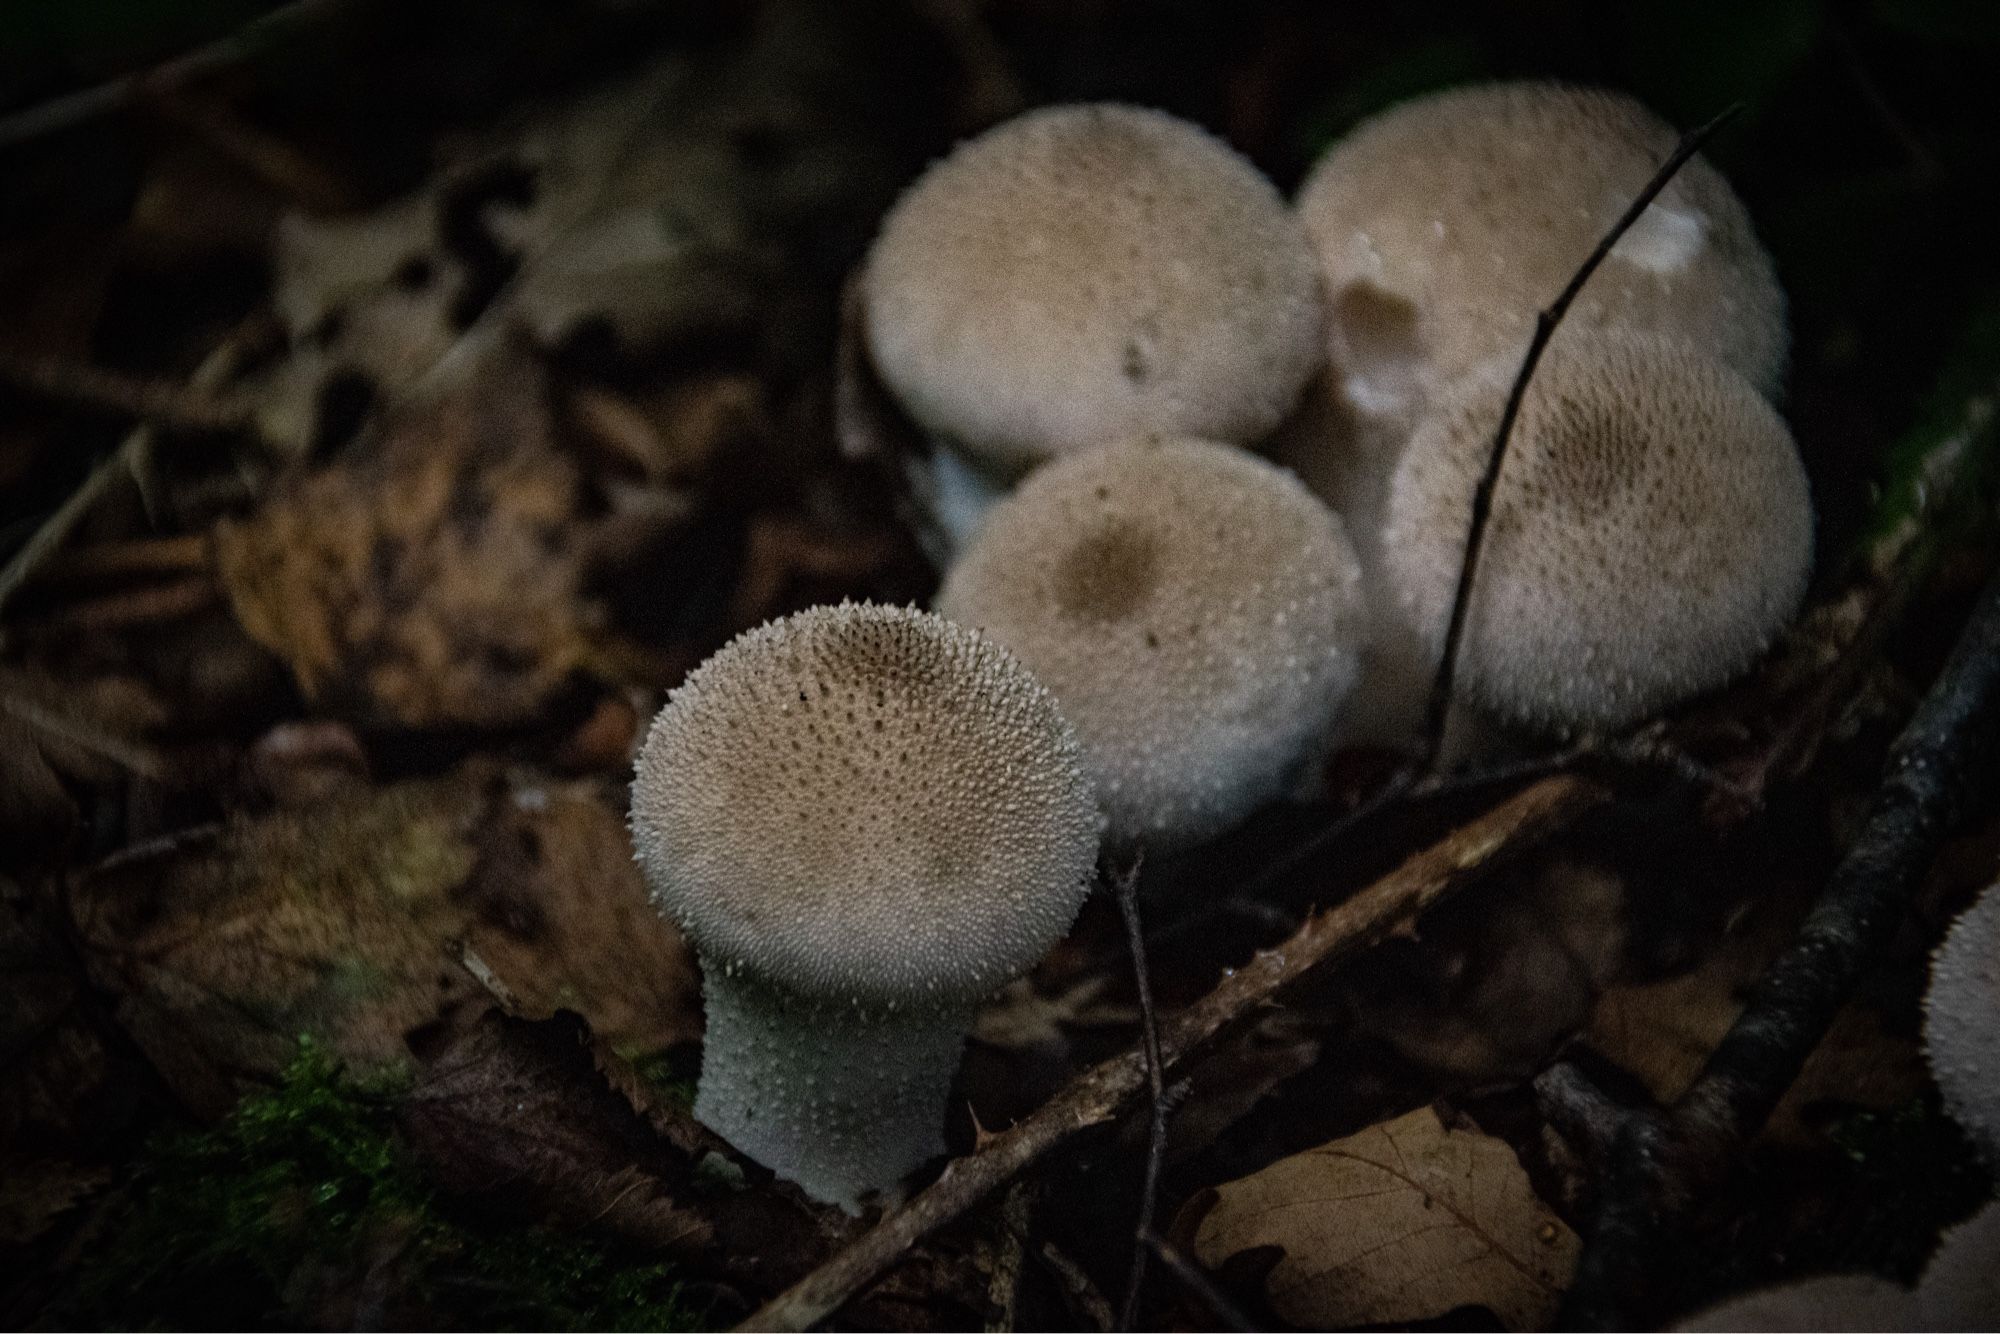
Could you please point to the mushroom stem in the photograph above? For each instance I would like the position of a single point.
(833, 1097)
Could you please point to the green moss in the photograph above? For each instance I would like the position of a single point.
(303, 1199)
(672, 1074)
(1913, 466)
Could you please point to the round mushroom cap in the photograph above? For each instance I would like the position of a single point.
(1651, 532)
(865, 803)
(1443, 224)
(1195, 610)
(1962, 1023)
(1960, 1288)
(1836, 1302)
(1081, 274)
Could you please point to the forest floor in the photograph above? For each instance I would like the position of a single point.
(367, 477)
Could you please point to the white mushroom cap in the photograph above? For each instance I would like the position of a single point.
(865, 804)
(1836, 1302)
(1195, 610)
(1960, 1288)
(1081, 274)
(1962, 1023)
(1651, 532)
(1443, 224)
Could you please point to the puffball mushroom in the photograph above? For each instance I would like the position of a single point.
(1085, 273)
(1960, 1289)
(1831, 1302)
(1195, 610)
(1961, 1285)
(1443, 224)
(1962, 1023)
(1651, 532)
(865, 818)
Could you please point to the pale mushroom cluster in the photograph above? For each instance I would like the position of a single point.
(867, 818)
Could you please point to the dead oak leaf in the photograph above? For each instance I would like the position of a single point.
(432, 575)
(562, 917)
(330, 920)
(1403, 1221)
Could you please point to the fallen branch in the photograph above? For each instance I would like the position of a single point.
(1658, 1162)
(1112, 1088)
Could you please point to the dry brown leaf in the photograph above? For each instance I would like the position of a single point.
(518, 1111)
(330, 921)
(432, 576)
(35, 1192)
(1404, 1221)
(1663, 1033)
(343, 917)
(563, 918)
(61, 1087)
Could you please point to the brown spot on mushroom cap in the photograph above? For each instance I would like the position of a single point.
(1197, 673)
(868, 804)
(1109, 573)
(1082, 274)
(1443, 224)
(1650, 534)
(1962, 1023)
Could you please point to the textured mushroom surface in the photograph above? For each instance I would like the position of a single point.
(864, 804)
(1081, 274)
(1443, 224)
(1962, 1023)
(1651, 532)
(1835, 1302)
(1195, 610)
(865, 818)
(1961, 1285)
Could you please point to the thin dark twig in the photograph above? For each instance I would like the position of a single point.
(1226, 1312)
(1940, 769)
(1125, 886)
(1437, 711)
(89, 103)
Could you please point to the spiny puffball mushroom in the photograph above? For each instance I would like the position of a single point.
(1960, 1289)
(1195, 610)
(1443, 224)
(1831, 1302)
(1651, 532)
(1961, 1285)
(1086, 273)
(865, 818)
(1962, 1023)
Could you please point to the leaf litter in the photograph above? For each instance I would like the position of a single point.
(527, 439)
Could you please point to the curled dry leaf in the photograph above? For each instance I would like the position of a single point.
(35, 1192)
(222, 950)
(344, 919)
(561, 914)
(433, 575)
(1404, 1221)
(517, 1111)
